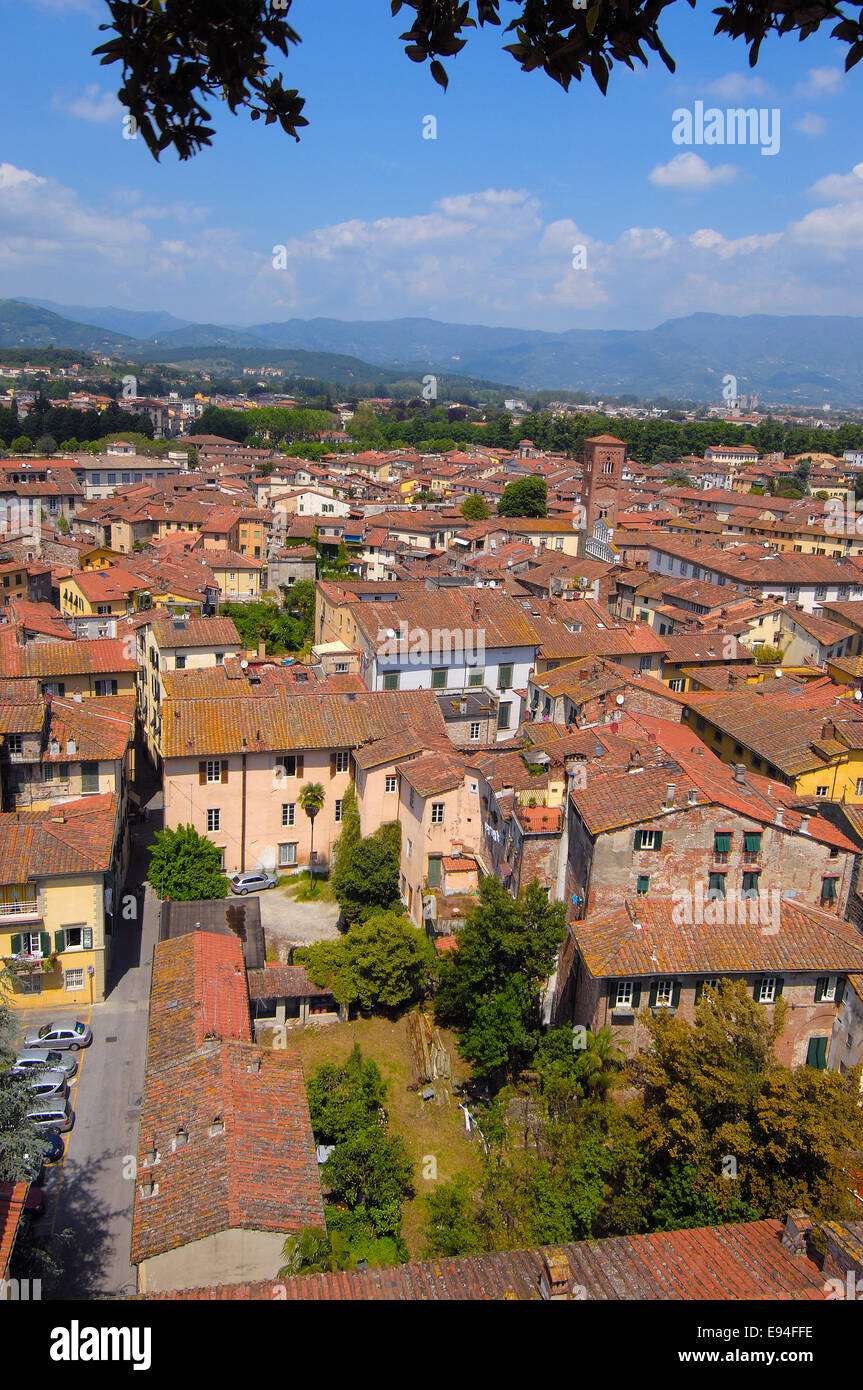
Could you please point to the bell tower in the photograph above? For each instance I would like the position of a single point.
(602, 479)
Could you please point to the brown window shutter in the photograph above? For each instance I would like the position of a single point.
(332, 764)
(224, 771)
(299, 764)
(202, 773)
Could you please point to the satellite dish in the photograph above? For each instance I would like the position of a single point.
(777, 672)
(618, 699)
(244, 665)
(858, 694)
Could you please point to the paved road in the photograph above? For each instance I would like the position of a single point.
(90, 1194)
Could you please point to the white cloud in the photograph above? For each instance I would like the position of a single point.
(810, 124)
(692, 174)
(706, 239)
(91, 105)
(820, 82)
(737, 86)
(841, 187)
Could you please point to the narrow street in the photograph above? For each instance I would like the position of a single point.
(90, 1194)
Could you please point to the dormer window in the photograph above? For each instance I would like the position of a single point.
(181, 1138)
(217, 1127)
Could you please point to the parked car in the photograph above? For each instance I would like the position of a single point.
(41, 1057)
(54, 1146)
(60, 1035)
(34, 1202)
(51, 1113)
(251, 881)
(50, 1082)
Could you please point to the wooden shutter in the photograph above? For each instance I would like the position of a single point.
(675, 994)
(60, 940)
(224, 769)
(636, 993)
(332, 764)
(45, 943)
(16, 945)
(654, 989)
(722, 842)
(299, 764)
(840, 989)
(638, 839)
(202, 774)
(658, 840)
(820, 987)
(699, 990)
(87, 938)
(780, 985)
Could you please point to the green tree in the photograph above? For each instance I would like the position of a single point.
(311, 798)
(62, 524)
(345, 1097)
(371, 1170)
(312, 1251)
(22, 1144)
(367, 878)
(524, 497)
(22, 445)
(677, 478)
(382, 962)
(46, 445)
(474, 508)
(490, 987)
(185, 866)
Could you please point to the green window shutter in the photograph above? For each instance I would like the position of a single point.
(636, 993)
(45, 943)
(755, 988)
(653, 991)
(699, 990)
(60, 940)
(780, 985)
(816, 1053)
(658, 841)
(722, 842)
(612, 994)
(638, 839)
(17, 944)
(675, 994)
(820, 986)
(752, 841)
(642, 884)
(840, 989)
(87, 938)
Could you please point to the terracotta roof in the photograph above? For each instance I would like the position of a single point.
(12, 1198)
(75, 837)
(740, 1262)
(282, 982)
(46, 660)
(646, 939)
(433, 773)
(462, 865)
(195, 632)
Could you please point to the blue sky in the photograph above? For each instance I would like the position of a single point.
(477, 225)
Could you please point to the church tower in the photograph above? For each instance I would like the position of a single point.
(602, 479)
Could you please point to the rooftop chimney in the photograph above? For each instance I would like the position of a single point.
(555, 1281)
(804, 825)
(780, 816)
(669, 794)
(740, 773)
(797, 1227)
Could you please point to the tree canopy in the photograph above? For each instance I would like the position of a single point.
(178, 54)
(186, 866)
(382, 962)
(524, 497)
(366, 875)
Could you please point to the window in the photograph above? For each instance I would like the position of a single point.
(410, 848)
(439, 678)
(341, 668)
(721, 844)
(214, 818)
(828, 891)
(821, 791)
(752, 842)
(214, 770)
(477, 676)
(475, 729)
(289, 813)
(825, 989)
(504, 678)
(411, 798)
(291, 765)
(642, 884)
(648, 839)
(768, 989)
(339, 803)
(391, 783)
(677, 684)
(106, 687)
(181, 663)
(73, 979)
(342, 762)
(699, 723)
(220, 657)
(816, 1053)
(715, 886)
(391, 680)
(644, 663)
(287, 854)
(503, 716)
(72, 939)
(749, 888)
(622, 994)
(757, 764)
(89, 777)
(437, 813)
(14, 742)
(664, 996)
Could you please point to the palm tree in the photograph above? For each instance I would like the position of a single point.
(313, 1251)
(311, 798)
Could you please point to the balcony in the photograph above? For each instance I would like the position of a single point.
(26, 908)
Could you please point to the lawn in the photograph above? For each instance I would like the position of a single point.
(301, 888)
(429, 1128)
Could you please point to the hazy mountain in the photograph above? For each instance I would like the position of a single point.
(810, 360)
(133, 323)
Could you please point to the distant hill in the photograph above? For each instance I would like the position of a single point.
(132, 323)
(808, 360)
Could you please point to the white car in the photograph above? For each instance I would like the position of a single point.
(41, 1057)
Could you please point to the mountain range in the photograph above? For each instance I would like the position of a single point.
(808, 360)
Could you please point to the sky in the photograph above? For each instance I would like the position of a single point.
(367, 219)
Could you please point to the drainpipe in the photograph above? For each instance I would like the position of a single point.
(243, 820)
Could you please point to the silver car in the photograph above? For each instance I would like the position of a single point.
(41, 1057)
(50, 1082)
(60, 1035)
(251, 881)
(51, 1112)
